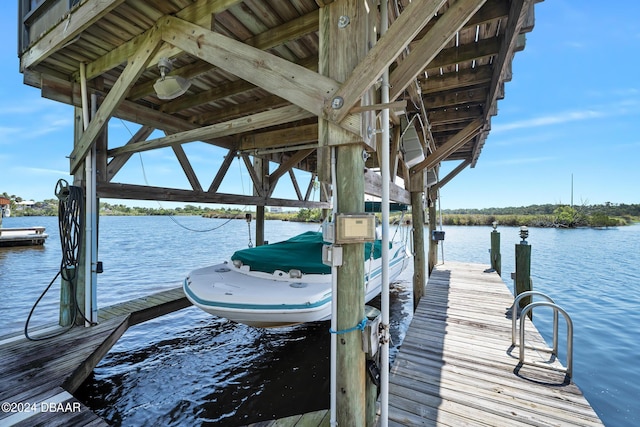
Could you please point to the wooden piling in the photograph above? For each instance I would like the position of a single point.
(342, 44)
(496, 257)
(67, 308)
(433, 244)
(523, 272)
(419, 265)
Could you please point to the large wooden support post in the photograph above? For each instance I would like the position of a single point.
(433, 244)
(417, 219)
(261, 167)
(343, 42)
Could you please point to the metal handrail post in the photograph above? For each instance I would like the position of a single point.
(556, 309)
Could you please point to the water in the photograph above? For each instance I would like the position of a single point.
(190, 368)
(186, 368)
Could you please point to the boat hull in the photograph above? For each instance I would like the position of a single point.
(274, 300)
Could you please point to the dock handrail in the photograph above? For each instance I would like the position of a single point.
(514, 312)
(569, 369)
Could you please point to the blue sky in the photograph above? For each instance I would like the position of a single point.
(572, 108)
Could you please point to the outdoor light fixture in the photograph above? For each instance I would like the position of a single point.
(524, 233)
(494, 224)
(169, 87)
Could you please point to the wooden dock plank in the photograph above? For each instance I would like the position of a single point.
(47, 371)
(456, 365)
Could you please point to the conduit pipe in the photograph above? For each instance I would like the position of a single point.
(91, 229)
(334, 303)
(385, 172)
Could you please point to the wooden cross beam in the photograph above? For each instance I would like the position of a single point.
(116, 95)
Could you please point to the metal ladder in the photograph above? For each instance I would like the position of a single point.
(554, 350)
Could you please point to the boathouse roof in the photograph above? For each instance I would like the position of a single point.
(255, 87)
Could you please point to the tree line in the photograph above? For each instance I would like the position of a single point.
(547, 215)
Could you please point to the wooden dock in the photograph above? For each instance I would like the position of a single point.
(37, 378)
(27, 236)
(456, 365)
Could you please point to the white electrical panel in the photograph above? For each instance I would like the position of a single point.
(332, 255)
(355, 228)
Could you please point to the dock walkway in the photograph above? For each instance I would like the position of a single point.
(37, 378)
(456, 365)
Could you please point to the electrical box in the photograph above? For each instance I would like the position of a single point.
(328, 232)
(371, 332)
(355, 228)
(437, 235)
(332, 255)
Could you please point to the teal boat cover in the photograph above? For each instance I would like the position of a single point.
(302, 252)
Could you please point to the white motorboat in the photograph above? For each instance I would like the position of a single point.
(285, 283)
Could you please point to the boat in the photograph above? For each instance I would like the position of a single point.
(284, 283)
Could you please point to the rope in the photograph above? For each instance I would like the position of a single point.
(146, 181)
(70, 224)
(359, 326)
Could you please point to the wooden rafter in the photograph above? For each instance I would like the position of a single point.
(291, 136)
(427, 48)
(224, 167)
(116, 95)
(294, 181)
(141, 192)
(455, 142)
(231, 127)
(114, 166)
(441, 183)
(384, 52)
(310, 186)
(199, 12)
(296, 158)
(83, 17)
(290, 81)
(255, 179)
(186, 167)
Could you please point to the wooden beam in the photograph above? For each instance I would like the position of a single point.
(468, 52)
(441, 183)
(186, 167)
(452, 99)
(114, 166)
(310, 186)
(294, 181)
(118, 92)
(255, 179)
(199, 13)
(415, 16)
(222, 171)
(373, 186)
(239, 110)
(82, 17)
(140, 192)
(296, 84)
(456, 81)
(286, 166)
(457, 141)
(279, 138)
(517, 14)
(427, 48)
(231, 127)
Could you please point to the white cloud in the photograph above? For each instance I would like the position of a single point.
(41, 171)
(520, 161)
(542, 121)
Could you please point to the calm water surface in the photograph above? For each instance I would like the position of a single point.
(190, 368)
